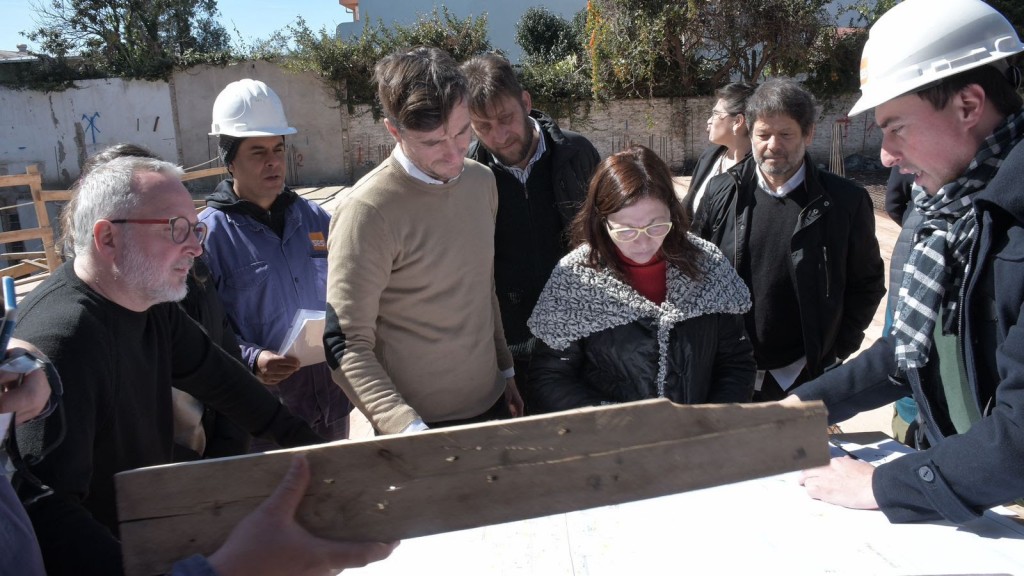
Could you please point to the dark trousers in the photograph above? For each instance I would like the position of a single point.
(497, 412)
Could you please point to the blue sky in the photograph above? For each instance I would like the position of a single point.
(253, 18)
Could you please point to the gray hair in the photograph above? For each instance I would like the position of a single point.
(108, 192)
(782, 97)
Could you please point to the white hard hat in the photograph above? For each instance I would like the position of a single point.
(248, 108)
(920, 41)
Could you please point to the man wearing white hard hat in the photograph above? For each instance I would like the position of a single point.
(267, 253)
(936, 74)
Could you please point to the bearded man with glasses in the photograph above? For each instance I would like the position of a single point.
(109, 322)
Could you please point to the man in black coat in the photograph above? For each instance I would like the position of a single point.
(802, 239)
(542, 173)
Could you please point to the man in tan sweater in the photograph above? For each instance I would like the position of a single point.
(414, 333)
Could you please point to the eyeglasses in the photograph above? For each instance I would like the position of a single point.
(720, 113)
(180, 227)
(627, 234)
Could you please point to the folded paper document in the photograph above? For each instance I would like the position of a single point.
(305, 338)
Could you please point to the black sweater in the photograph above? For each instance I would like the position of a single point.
(118, 367)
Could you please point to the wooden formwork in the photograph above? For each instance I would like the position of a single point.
(32, 263)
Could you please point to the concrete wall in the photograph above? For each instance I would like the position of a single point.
(676, 128)
(59, 130)
(315, 154)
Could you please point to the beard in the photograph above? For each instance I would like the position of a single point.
(779, 165)
(140, 276)
(522, 146)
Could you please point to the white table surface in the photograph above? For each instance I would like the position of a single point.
(763, 526)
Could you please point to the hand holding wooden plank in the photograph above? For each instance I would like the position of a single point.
(270, 542)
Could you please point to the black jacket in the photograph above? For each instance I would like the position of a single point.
(202, 304)
(835, 262)
(531, 231)
(705, 162)
(961, 474)
(602, 342)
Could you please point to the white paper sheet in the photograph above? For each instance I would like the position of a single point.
(305, 338)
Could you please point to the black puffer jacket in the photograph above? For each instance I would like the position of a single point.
(602, 342)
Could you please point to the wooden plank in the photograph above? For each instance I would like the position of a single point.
(22, 255)
(19, 180)
(40, 265)
(19, 270)
(319, 194)
(396, 487)
(56, 195)
(26, 234)
(197, 174)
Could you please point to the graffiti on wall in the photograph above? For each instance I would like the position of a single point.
(92, 128)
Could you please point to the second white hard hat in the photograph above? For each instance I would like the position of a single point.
(247, 108)
(918, 42)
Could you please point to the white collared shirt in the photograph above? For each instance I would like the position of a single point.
(790, 185)
(413, 170)
(523, 174)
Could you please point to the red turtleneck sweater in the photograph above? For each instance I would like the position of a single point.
(648, 279)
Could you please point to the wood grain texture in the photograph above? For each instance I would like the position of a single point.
(397, 487)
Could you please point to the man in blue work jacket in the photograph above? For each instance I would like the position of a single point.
(267, 252)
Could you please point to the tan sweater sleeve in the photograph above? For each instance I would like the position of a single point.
(361, 249)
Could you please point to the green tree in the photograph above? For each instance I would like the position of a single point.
(749, 38)
(129, 38)
(346, 66)
(556, 68)
(546, 37)
(686, 47)
(642, 48)
(833, 66)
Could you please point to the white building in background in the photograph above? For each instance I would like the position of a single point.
(502, 16)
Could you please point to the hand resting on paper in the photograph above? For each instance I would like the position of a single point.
(271, 367)
(844, 482)
(269, 542)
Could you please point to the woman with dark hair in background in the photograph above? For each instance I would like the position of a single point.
(640, 308)
(730, 140)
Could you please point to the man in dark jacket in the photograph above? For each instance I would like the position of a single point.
(956, 341)
(802, 239)
(542, 173)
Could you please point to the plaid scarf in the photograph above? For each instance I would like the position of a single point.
(938, 263)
